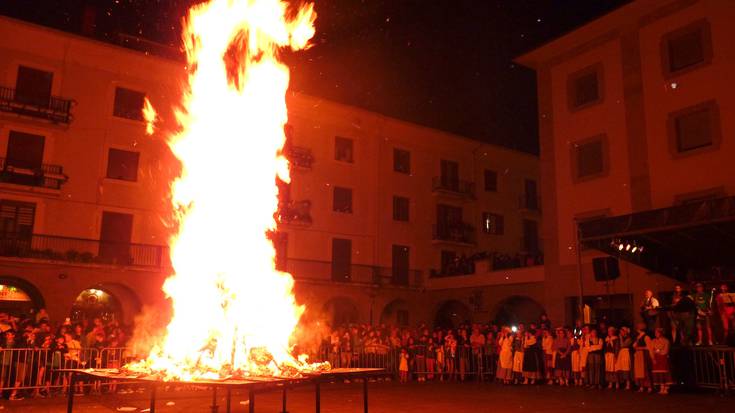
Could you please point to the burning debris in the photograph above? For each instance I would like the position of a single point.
(234, 314)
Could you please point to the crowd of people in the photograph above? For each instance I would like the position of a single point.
(464, 265)
(33, 351)
(587, 355)
(690, 317)
(593, 355)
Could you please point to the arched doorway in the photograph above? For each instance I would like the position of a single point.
(518, 309)
(340, 311)
(451, 314)
(18, 297)
(107, 301)
(396, 313)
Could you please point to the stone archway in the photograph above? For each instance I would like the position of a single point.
(396, 313)
(19, 297)
(339, 311)
(451, 314)
(108, 301)
(518, 309)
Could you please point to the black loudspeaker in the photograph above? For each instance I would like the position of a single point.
(606, 268)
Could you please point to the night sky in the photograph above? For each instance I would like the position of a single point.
(441, 63)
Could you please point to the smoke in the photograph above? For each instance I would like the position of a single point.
(149, 332)
(308, 335)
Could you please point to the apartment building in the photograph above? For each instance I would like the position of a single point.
(378, 211)
(636, 154)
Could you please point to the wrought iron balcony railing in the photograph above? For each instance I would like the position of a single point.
(528, 202)
(82, 251)
(453, 187)
(300, 157)
(294, 212)
(325, 271)
(54, 109)
(44, 176)
(460, 233)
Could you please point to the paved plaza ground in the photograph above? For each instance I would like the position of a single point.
(414, 397)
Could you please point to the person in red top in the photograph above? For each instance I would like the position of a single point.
(726, 308)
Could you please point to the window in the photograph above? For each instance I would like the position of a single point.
(448, 217)
(694, 128)
(122, 165)
(25, 150)
(491, 181)
(402, 161)
(341, 259)
(342, 200)
(447, 261)
(400, 266)
(343, 149)
(16, 219)
(128, 104)
(449, 175)
(585, 87)
(589, 158)
(280, 245)
(589, 216)
(530, 236)
(492, 223)
(686, 48)
(33, 86)
(400, 208)
(530, 198)
(115, 235)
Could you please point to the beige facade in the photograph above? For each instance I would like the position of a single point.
(651, 61)
(97, 175)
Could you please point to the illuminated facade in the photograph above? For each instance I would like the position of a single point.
(633, 118)
(378, 209)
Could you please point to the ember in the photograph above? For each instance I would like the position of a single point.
(233, 312)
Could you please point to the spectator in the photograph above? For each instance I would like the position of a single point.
(595, 363)
(505, 357)
(562, 351)
(532, 357)
(649, 311)
(659, 348)
(612, 349)
(547, 345)
(703, 301)
(15, 360)
(623, 361)
(642, 360)
(403, 366)
(576, 346)
(726, 308)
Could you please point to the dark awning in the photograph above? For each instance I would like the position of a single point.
(698, 236)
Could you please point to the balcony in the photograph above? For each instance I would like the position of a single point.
(485, 275)
(294, 213)
(461, 234)
(454, 188)
(322, 271)
(82, 251)
(300, 157)
(54, 109)
(530, 245)
(529, 203)
(46, 176)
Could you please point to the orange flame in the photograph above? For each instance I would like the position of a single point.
(150, 115)
(233, 312)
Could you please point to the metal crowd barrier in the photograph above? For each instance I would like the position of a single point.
(714, 368)
(38, 369)
(423, 363)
